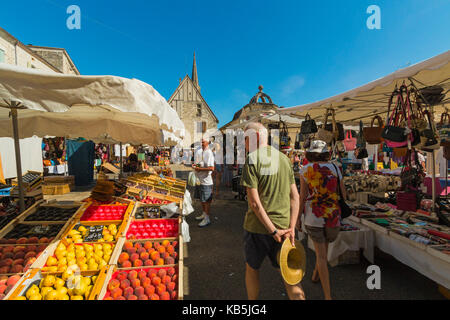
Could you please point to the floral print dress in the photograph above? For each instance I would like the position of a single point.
(322, 206)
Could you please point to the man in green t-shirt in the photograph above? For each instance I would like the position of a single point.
(273, 205)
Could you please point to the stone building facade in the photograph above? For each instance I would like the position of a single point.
(14, 52)
(192, 108)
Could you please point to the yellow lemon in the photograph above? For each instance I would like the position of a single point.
(45, 290)
(62, 267)
(84, 267)
(36, 296)
(67, 274)
(51, 295)
(98, 247)
(80, 289)
(93, 266)
(101, 240)
(52, 261)
(65, 297)
(76, 298)
(71, 262)
(53, 269)
(102, 264)
(70, 292)
(49, 281)
(81, 260)
(61, 246)
(61, 292)
(80, 253)
(21, 298)
(62, 261)
(59, 283)
(70, 255)
(88, 248)
(34, 289)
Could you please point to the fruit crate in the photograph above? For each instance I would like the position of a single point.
(56, 189)
(17, 259)
(20, 215)
(146, 211)
(51, 250)
(153, 229)
(120, 226)
(61, 212)
(8, 283)
(41, 232)
(123, 245)
(115, 274)
(108, 212)
(35, 276)
(30, 180)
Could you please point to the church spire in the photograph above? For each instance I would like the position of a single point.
(194, 73)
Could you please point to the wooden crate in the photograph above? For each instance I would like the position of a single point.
(36, 274)
(78, 205)
(18, 217)
(60, 179)
(120, 229)
(56, 189)
(28, 186)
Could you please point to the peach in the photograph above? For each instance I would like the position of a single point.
(142, 274)
(120, 298)
(174, 244)
(148, 245)
(31, 248)
(18, 261)
(22, 240)
(139, 291)
(165, 296)
(12, 241)
(165, 255)
(166, 280)
(150, 290)
(156, 245)
(170, 249)
(174, 278)
(127, 264)
(2, 288)
(145, 282)
(160, 289)
(169, 260)
(132, 297)
(154, 255)
(134, 256)
(44, 240)
(175, 254)
(154, 296)
(135, 283)
(143, 297)
(137, 263)
(3, 241)
(4, 270)
(132, 275)
(173, 295)
(123, 257)
(144, 255)
(162, 249)
(8, 255)
(137, 245)
(113, 284)
(6, 262)
(19, 249)
(171, 271)
(125, 283)
(8, 249)
(141, 250)
(116, 292)
(13, 280)
(156, 280)
(165, 243)
(30, 254)
(148, 262)
(18, 268)
(160, 262)
(33, 240)
(122, 276)
(162, 273)
(128, 245)
(41, 248)
(108, 298)
(151, 250)
(131, 251)
(171, 286)
(128, 292)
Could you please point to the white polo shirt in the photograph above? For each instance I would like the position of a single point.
(204, 158)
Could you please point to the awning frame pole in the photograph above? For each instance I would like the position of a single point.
(18, 158)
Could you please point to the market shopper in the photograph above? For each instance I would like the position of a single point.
(319, 204)
(272, 207)
(204, 166)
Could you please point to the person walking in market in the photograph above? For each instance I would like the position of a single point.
(204, 166)
(319, 189)
(273, 205)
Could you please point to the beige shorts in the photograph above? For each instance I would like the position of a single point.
(322, 235)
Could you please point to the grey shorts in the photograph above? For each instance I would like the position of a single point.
(206, 193)
(322, 235)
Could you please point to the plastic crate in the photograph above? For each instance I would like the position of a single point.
(104, 213)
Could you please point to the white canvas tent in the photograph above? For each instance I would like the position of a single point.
(100, 108)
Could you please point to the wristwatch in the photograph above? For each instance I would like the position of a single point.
(274, 233)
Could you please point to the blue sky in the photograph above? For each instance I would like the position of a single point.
(300, 51)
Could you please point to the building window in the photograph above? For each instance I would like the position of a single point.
(199, 110)
(201, 127)
(2, 55)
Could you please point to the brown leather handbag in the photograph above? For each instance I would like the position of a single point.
(373, 134)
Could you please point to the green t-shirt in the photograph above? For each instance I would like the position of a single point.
(269, 171)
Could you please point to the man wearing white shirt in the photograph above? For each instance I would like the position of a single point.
(204, 166)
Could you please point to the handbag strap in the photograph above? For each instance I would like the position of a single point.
(307, 117)
(444, 116)
(339, 180)
(380, 121)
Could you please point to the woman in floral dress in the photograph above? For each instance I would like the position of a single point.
(320, 207)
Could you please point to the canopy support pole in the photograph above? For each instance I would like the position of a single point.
(18, 158)
(121, 161)
(433, 182)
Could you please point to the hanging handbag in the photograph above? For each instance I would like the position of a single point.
(335, 127)
(285, 140)
(373, 134)
(428, 138)
(431, 95)
(298, 139)
(361, 153)
(444, 127)
(349, 142)
(393, 134)
(308, 125)
(346, 211)
(411, 176)
(324, 134)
